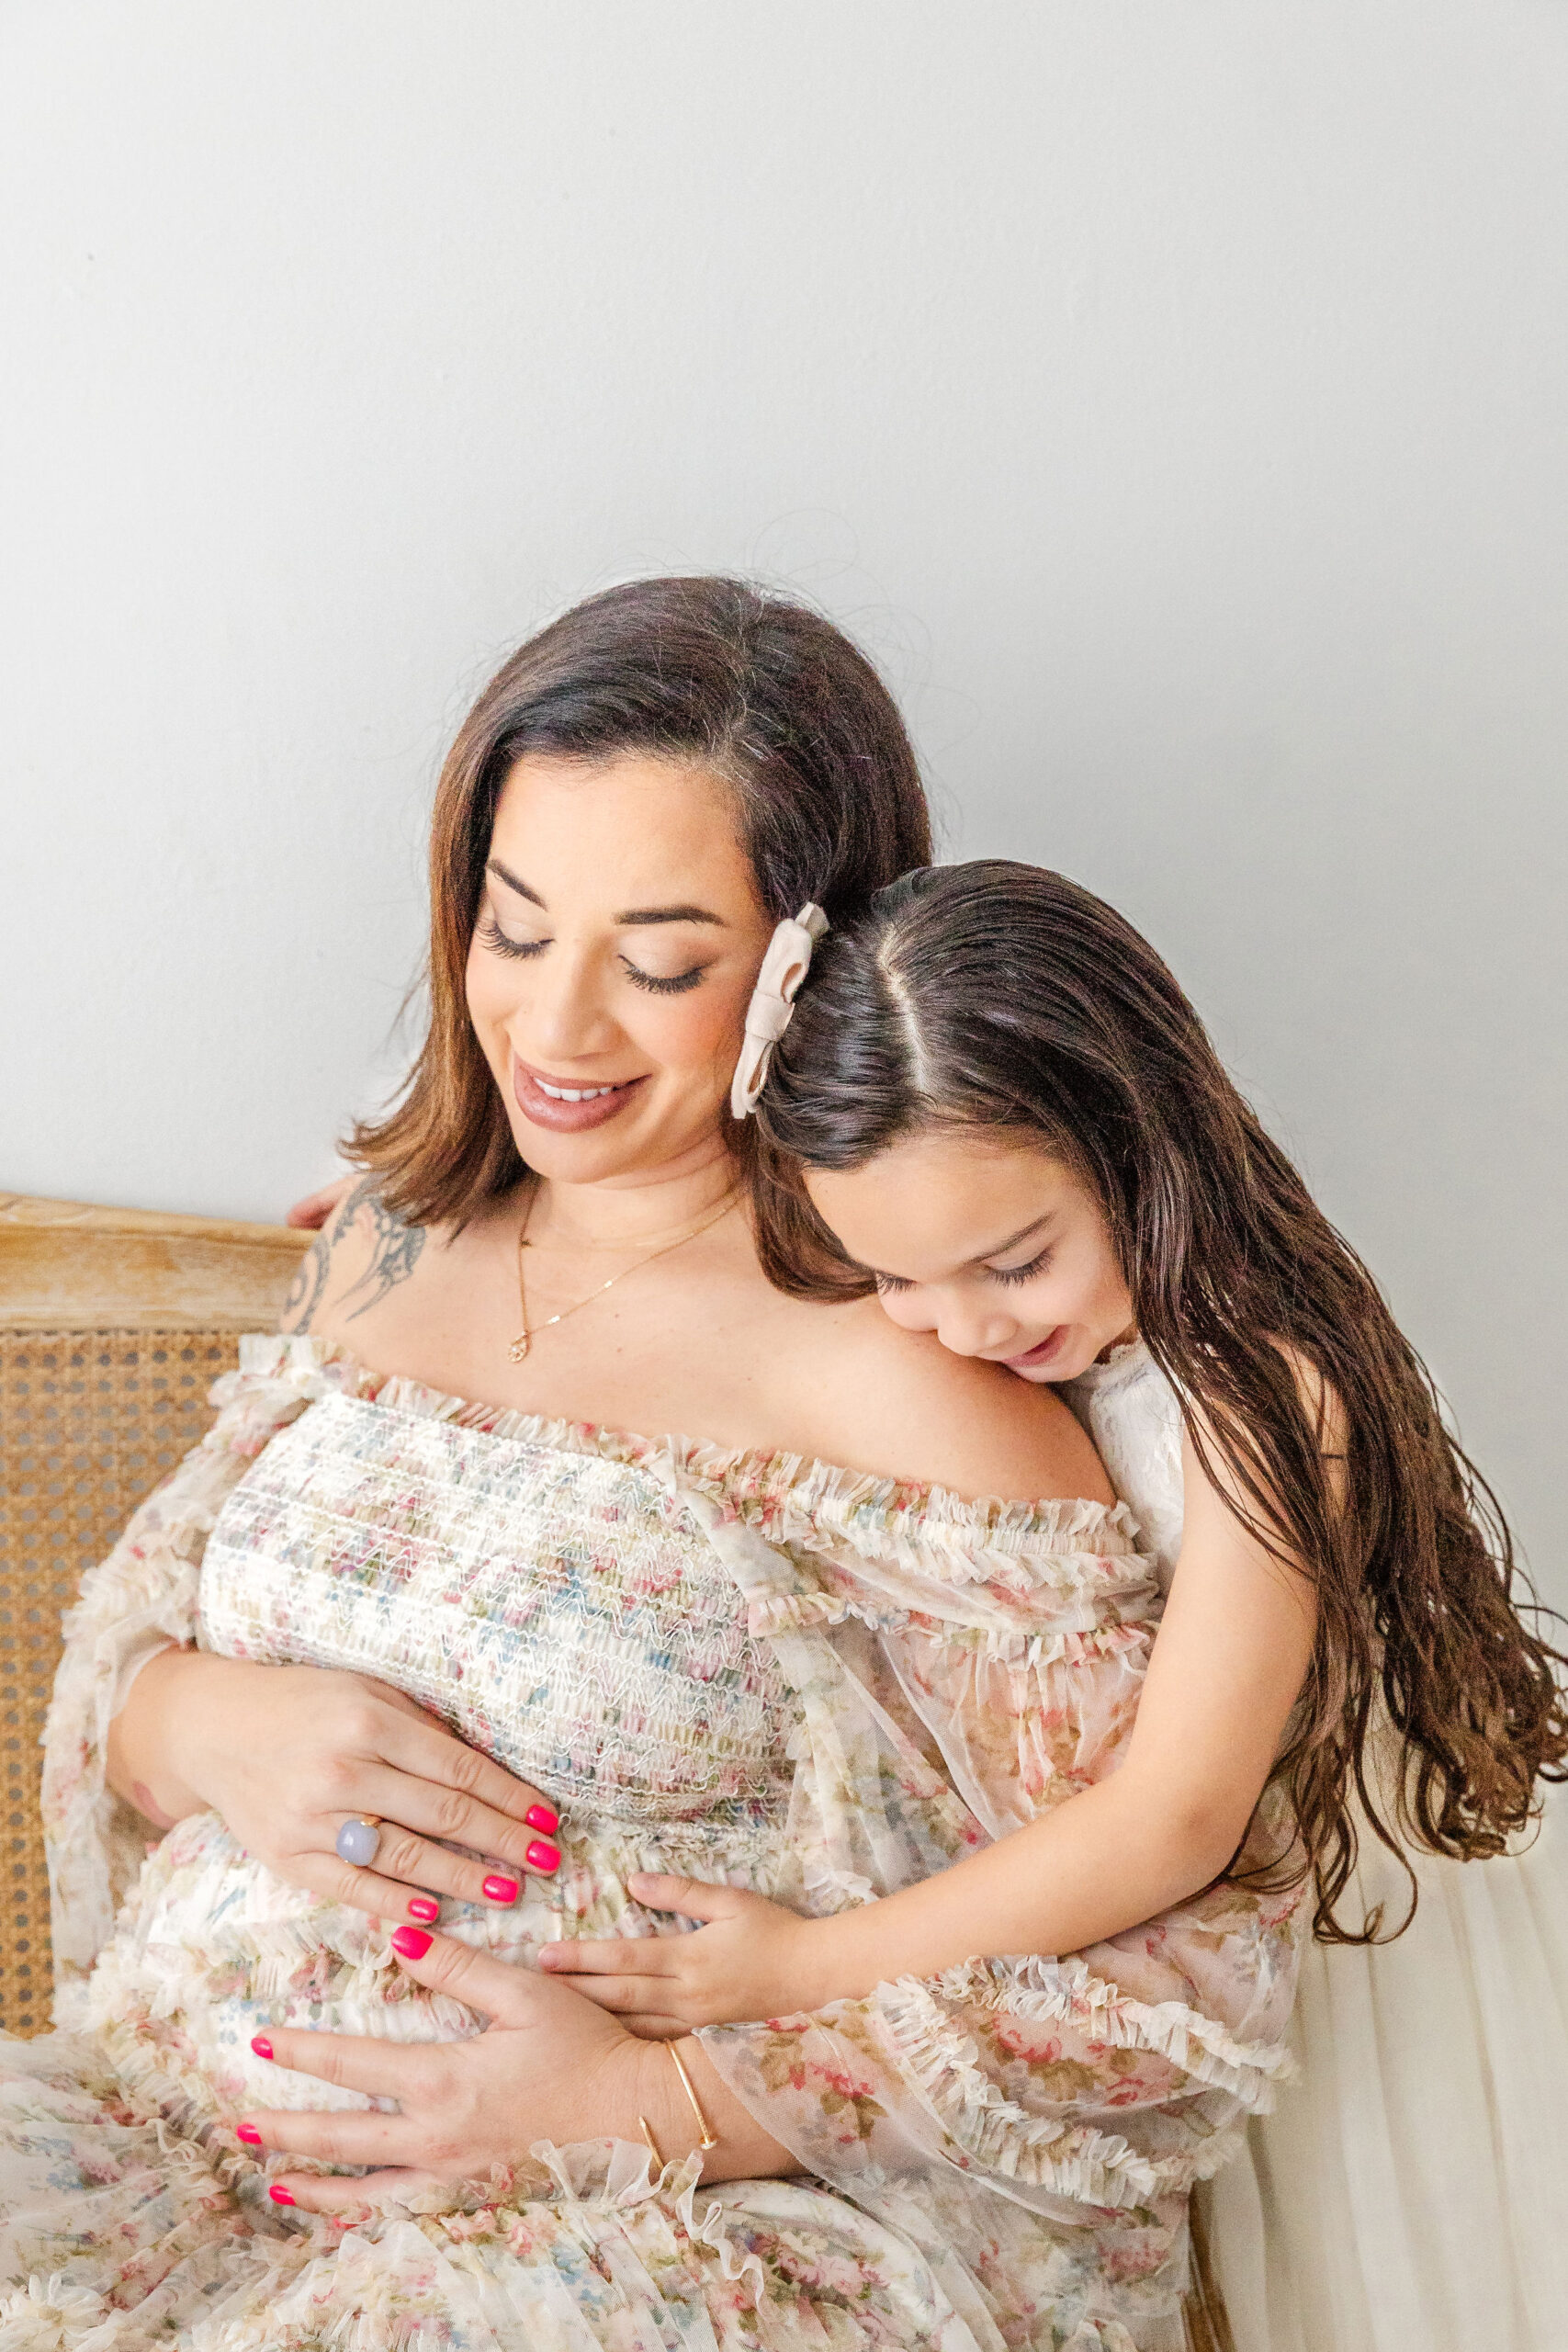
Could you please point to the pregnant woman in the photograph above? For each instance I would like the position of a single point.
(420, 1659)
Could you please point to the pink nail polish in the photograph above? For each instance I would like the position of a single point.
(541, 1857)
(543, 1816)
(249, 2134)
(502, 1889)
(280, 2195)
(261, 2045)
(412, 1942)
(422, 1908)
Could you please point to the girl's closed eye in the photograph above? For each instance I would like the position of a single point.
(1026, 1273)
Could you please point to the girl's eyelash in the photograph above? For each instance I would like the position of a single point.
(1021, 1274)
(677, 986)
(890, 1281)
(493, 936)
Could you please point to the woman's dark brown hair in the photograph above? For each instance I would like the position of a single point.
(996, 996)
(762, 692)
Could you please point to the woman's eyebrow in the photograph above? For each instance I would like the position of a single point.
(494, 865)
(671, 914)
(628, 915)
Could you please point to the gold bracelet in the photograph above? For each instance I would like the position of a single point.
(709, 2137)
(652, 2143)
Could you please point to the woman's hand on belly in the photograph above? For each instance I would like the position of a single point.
(549, 2066)
(288, 1754)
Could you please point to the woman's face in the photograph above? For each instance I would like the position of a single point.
(988, 1241)
(618, 939)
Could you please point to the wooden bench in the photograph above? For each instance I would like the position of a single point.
(114, 1324)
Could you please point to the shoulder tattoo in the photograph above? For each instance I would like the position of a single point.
(305, 1290)
(394, 1247)
(394, 1250)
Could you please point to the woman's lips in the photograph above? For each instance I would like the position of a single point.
(1042, 1352)
(555, 1111)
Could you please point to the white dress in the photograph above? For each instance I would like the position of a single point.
(1411, 2193)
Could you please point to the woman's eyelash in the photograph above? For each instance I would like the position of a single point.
(677, 986)
(493, 936)
(891, 1282)
(1021, 1274)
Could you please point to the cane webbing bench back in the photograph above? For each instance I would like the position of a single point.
(114, 1325)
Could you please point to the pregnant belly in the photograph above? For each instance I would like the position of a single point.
(213, 1948)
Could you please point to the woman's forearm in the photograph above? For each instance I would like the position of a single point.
(1105, 1860)
(745, 2151)
(149, 1744)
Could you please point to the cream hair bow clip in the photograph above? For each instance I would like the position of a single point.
(771, 1008)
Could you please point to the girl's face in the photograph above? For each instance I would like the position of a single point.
(618, 939)
(988, 1241)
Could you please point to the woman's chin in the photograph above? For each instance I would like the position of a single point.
(638, 1143)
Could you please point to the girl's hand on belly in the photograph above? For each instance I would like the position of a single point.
(549, 2066)
(288, 1754)
(752, 1960)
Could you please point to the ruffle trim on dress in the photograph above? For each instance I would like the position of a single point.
(1025, 1652)
(387, 2272)
(1068, 1992)
(998, 2137)
(626, 2177)
(794, 1497)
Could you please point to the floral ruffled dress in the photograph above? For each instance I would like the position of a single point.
(820, 1685)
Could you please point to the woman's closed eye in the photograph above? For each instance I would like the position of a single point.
(657, 983)
(675, 984)
(493, 936)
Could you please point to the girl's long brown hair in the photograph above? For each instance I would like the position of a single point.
(997, 995)
(760, 690)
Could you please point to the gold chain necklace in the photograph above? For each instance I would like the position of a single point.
(525, 1340)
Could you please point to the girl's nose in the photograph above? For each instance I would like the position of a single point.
(968, 1328)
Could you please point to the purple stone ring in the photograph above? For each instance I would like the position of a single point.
(360, 1840)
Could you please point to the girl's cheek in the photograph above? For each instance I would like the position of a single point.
(905, 1308)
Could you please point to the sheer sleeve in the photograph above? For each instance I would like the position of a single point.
(961, 1668)
(137, 1603)
(1041, 2076)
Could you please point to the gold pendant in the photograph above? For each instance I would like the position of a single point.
(520, 1346)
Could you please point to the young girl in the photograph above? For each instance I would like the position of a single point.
(1011, 1119)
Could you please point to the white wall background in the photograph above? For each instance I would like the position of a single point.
(1170, 392)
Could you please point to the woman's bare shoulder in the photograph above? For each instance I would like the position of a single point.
(898, 1402)
(362, 1254)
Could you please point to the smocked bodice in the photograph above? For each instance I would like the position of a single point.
(561, 1610)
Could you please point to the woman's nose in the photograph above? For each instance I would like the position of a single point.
(563, 1015)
